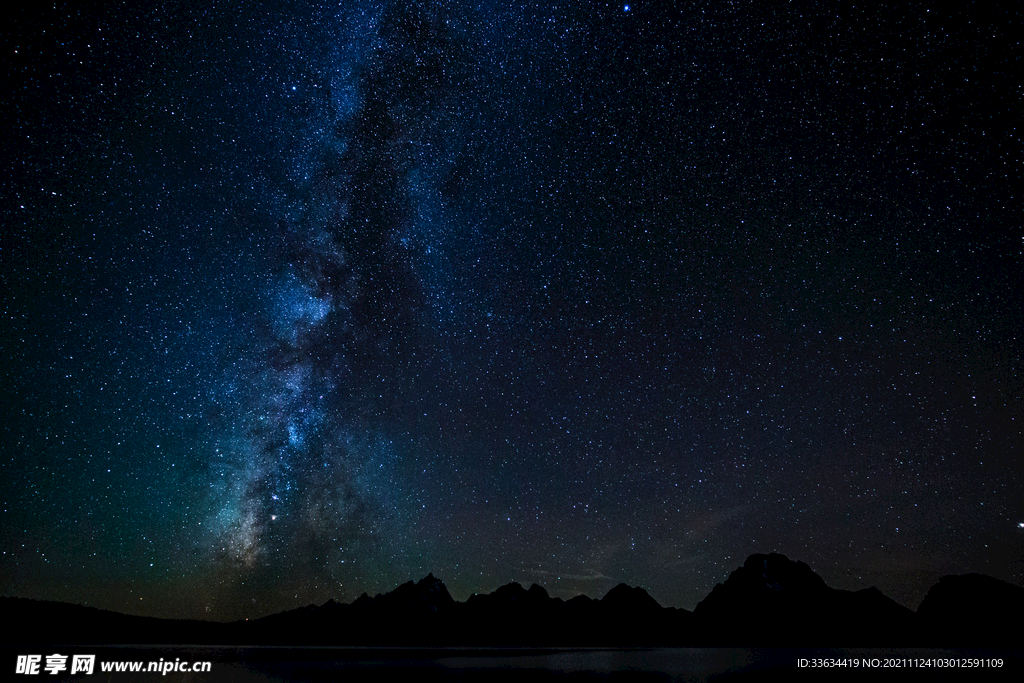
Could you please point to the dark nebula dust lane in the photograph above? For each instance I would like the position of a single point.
(307, 300)
(312, 485)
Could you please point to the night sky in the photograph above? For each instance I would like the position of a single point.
(301, 300)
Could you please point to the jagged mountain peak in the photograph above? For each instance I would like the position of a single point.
(629, 597)
(429, 592)
(537, 592)
(764, 583)
(778, 573)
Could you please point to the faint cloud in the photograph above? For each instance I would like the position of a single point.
(706, 523)
(594, 576)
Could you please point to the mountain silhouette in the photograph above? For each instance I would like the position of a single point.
(428, 596)
(772, 600)
(972, 609)
(769, 601)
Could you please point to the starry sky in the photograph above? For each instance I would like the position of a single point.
(304, 299)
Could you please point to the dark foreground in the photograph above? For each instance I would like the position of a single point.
(265, 664)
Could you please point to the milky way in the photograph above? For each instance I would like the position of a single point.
(308, 472)
(307, 300)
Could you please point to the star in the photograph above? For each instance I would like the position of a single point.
(473, 270)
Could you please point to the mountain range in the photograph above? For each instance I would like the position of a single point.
(769, 601)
